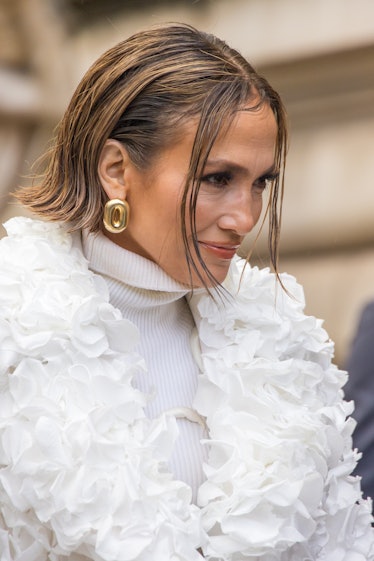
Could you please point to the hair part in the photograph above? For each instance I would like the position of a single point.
(140, 92)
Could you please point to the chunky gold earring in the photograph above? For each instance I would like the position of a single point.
(116, 215)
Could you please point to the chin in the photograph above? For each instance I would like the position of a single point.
(218, 274)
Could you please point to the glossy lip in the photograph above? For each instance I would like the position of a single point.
(223, 251)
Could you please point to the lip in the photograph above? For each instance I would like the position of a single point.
(223, 251)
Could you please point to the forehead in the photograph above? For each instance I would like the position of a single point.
(250, 130)
(254, 120)
(250, 141)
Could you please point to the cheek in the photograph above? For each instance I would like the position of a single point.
(257, 206)
(207, 212)
(258, 209)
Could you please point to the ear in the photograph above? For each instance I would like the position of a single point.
(113, 161)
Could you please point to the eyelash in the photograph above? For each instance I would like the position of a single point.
(265, 181)
(221, 179)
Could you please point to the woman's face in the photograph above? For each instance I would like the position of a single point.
(229, 202)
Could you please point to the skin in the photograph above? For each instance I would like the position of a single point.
(229, 204)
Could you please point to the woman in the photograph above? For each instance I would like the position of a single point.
(160, 400)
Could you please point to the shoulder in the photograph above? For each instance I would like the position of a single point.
(35, 239)
(256, 306)
(47, 292)
(38, 253)
(262, 296)
(244, 278)
(40, 261)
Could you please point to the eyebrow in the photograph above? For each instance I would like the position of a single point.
(272, 172)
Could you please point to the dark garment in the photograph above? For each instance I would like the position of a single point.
(360, 388)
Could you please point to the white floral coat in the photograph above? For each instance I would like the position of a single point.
(83, 472)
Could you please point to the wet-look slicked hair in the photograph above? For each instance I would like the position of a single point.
(141, 92)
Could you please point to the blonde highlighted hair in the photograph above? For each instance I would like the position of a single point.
(140, 92)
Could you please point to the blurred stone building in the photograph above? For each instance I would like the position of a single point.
(318, 53)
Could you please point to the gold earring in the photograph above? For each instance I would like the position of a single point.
(116, 215)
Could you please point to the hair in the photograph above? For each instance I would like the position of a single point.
(140, 92)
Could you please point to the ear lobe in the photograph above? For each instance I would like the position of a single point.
(111, 169)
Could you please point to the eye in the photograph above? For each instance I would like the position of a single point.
(263, 182)
(219, 179)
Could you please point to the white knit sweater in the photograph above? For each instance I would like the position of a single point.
(156, 304)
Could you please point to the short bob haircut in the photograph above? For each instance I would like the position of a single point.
(139, 92)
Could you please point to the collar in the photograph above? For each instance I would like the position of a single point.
(109, 259)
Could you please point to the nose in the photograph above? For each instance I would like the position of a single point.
(241, 216)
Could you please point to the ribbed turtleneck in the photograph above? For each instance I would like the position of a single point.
(156, 304)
